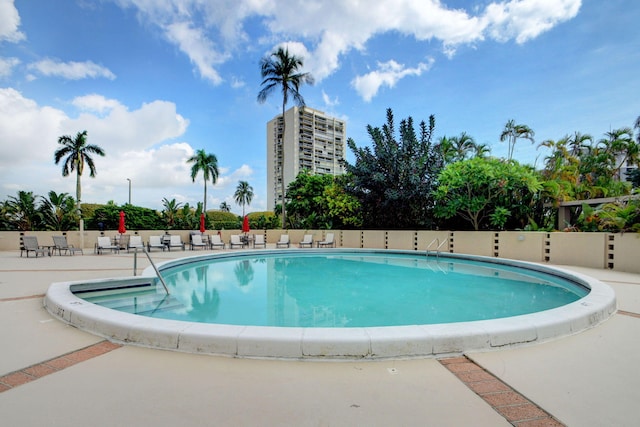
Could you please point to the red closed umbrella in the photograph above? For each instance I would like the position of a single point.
(245, 224)
(121, 228)
(202, 225)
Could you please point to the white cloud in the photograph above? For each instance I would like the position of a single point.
(137, 144)
(328, 101)
(198, 47)
(9, 22)
(6, 66)
(387, 74)
(209, 32)
(71, 70)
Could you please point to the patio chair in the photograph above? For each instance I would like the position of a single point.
(258, 240)
(328, 241)
(197, 242)
(30, 244)
(307, 240)
(216, 241)
(104, 243)
(175, 242)
(135, 242)
(155, 242)
(284, 241)
(235, 241)
(61, 244)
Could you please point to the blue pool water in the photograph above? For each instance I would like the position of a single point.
(334, 289)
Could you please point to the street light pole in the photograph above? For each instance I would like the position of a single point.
(129, 190)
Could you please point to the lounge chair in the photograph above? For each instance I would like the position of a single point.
(216, 241)
(284, 241)
(196, 242)
(175, 242)
(135, 242)
(104, 243)
(156, 242)
(61, 244)
(307, 240)
(235, 241)
(30, 244)
(328, 241)
(258, 240)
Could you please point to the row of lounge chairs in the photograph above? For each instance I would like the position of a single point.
(198, 241)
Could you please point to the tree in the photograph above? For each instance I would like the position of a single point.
(224, 207)
(512, 132)
(243, 194)
(21, 211)
(457, 148)
(208, 164)
(486, 192)
(170, 212)
(77, 153)
(58, 211)
(394, 182)
(282, 70)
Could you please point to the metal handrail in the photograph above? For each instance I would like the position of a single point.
(135, 262)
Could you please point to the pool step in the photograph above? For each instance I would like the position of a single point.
(143, 303)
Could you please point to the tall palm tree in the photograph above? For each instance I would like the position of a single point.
(281, 70)
(512, 132)
(243, 194)
(77, 153)
(208, 164)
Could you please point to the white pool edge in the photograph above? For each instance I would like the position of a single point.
(336, 343)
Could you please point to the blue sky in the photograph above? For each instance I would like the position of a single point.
(153, 81)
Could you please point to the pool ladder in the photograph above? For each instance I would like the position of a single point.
(438, 245)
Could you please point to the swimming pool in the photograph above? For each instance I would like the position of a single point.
(337, 335)
(340, 290)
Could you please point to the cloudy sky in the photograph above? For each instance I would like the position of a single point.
(153, 81)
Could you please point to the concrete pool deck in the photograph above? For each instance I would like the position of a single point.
(588, 379)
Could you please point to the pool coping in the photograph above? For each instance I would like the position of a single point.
(386, 342)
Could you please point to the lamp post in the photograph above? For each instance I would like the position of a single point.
(129, 190)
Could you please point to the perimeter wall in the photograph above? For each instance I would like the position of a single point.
(596, 250)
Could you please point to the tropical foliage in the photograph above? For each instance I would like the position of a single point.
(243, 194)
(208, 164)
(394, 180)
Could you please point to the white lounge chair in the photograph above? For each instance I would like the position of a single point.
(196, 242)
(216, 241)
(156, 242)
(104, 243)
(328, 241)
(284, 241)
(135, 242)
(258, 240)
(235, 241)
(176, 242)
(307, 240)
(61, 244)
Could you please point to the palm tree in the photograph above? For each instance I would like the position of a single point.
(512, 132)
(243, 194)
(208, 164)
(21, 211)
(224, 207)
(57, 211)
(77, 153)
(170, 212)
(281, 69)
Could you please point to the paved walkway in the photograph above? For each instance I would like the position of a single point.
(53, 374)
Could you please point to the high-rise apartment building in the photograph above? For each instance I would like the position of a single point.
(313, 141)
